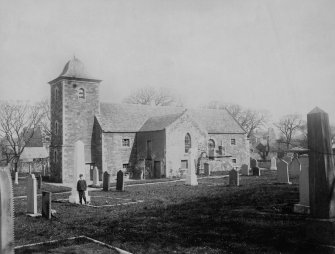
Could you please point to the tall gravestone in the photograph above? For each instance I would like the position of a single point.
(106, 181)
(321, 229)
(46, 204)
(95, 176)
(244, 170)
(6, 212)
(79, 168)
(207, 170)
(120, 181)
(282, 172)
(39, 181)
(273, 163)
(16, 180)
(253, 163)
(234, 178)
(303, 206)
(191, 177)
(32, 195)
(295, 167)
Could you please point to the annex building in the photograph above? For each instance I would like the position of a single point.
(130, 137)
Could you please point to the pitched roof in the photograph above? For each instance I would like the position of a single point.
(30, 153)
(132, 118)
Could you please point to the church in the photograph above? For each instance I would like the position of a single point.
(130, 136)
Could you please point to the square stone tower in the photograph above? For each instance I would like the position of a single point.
(74, 102)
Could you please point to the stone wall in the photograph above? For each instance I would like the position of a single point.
(114, 155)
(175, 143)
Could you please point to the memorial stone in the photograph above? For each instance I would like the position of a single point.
(120, 181)
(95, 176)
(16, 181)
(253, 163)
(106, 181)
(191, 177)
(273, 163)
(6, 212)
(46, 204)
(244, 170)
(79, 168)
(234, 178)
(295, 167)
(256, 171)
(39, 181)
(282, 172)
(31, 195)
(303, 206)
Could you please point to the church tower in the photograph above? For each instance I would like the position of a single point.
(74, 102)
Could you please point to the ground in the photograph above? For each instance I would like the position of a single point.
(256, 217)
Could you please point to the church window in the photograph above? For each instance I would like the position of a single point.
(126, 142)
(55, 156)
(81, 93)
(233, 160)
(184, 164)
(149, 146)
(56, 128)
(187, 142)
(211, 148)
(56, 94)
(125, 166)
(233, 141)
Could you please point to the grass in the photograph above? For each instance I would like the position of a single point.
(212, 217)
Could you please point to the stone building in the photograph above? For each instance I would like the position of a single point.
(124, 136)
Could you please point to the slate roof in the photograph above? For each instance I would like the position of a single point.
(132, 118)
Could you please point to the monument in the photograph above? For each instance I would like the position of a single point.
(32, 196)
(273, 163)
(191, 177)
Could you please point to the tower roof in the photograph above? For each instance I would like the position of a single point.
(74, 69)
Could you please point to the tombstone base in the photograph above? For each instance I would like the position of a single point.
(321, 232)
(302, 209)
(34, 215)
(273, 168)
(74, 197)
(191, 180)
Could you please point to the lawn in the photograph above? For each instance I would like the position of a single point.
(212, 217)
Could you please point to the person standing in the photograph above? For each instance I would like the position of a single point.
(81, 188)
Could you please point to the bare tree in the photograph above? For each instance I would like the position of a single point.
(288, 126)
(18, 123)
(151, 96)
(45, 113)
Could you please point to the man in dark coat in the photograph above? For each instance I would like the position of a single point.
(81, 188)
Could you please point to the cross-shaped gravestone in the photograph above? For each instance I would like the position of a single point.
(234, 178)
(106, 181)
(6, 212)
(120, 181)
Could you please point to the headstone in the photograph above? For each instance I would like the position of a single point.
(46, 204)
(39, 181)
(31, 195)
(244, 170)
(234, 178)
(106, 181)
(16, 181)
(273, 163)
(295, 167)
(253, 163)
(303, 206)
(120, 181)
(95, 176)
(79, 168)
(207, 170)
(287, 158)
(256, 171)
(282, 172)
(191, 177)
(6, 212)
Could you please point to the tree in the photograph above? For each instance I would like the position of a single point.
(288, 126)
(151, 96)
(45, 122)
(18, 123)
(249, 119)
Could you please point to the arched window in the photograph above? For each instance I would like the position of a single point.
(81, 93)
(56, 128)
(187, 142)
(55, 156)
(56, 94)
(211, 148)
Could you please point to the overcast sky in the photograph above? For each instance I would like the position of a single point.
(274, 55)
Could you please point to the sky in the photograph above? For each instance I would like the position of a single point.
(276, 55)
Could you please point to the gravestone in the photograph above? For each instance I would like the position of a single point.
(79, 168)
(244, 170)
(282, 172)
(46, 204)
(321, 228)
(287, 158)
(6, 212)
(120, 181)
(106, 181)
(295, 167)
(273, 163)
(303, 206)
(253, 163)
(95, 176)
(32, 196)
(207, 170)
(16, 181)
(39, 181)
(256, 171)
(191, 177)
(234, 178)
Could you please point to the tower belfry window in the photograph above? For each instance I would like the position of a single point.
(81, 93)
